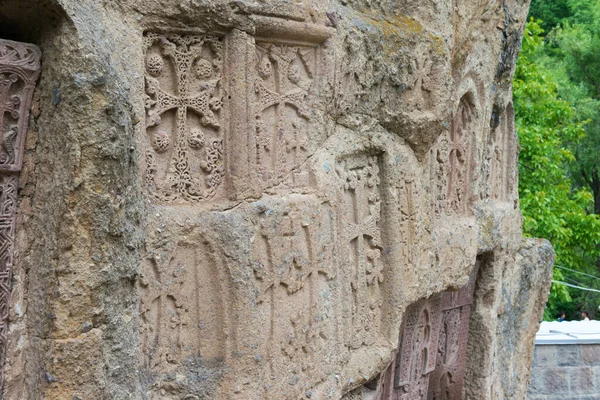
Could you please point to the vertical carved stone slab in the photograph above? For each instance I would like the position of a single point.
(461, 149)
(184, 306)
(503, 158)
(446, 381)
(416, 357)
(293, 263)
(440, 169)
(19, 70)
(8, 206)
(360, 208)
(284, 75)
(184, 101)
(429, 364)
(408, 199)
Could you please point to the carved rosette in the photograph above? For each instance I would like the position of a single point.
(184, 101)
(19, 70)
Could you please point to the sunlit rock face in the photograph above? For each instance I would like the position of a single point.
(271, 200)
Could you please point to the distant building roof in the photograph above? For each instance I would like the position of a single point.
(568, 332)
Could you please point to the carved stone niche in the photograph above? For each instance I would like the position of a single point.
(430, 361)
(19, 70)
(453, 161)
(217, 128)
(503, 153)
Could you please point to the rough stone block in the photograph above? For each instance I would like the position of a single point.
(582, 380)
(544, 356)
(556, 381)
(537, 384)
(590, 354)
(568, 355)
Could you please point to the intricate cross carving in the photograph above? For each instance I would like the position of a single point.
(196, 63)
(19, 70)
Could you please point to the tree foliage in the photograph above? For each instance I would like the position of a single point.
(552, 132)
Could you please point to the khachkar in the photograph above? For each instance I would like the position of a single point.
(431, 354)
(19, 70)
(313, 196)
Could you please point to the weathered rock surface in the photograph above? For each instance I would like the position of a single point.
(249, 200)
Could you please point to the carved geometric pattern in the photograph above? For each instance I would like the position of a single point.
(361, 214)
(19, 70)
(8, 206)
(184, 156)
(292, 263)
(430, 361)
(284, 75)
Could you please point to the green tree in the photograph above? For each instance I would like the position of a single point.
(552, 206)
(572, 54)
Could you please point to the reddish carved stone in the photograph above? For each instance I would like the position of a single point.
(19, 70)
(430, 361)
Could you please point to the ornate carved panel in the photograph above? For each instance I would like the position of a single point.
(293, 263)
(19, 70)
(446, 381)
(184, 305)
(360, 209)
(284, 75)
(416, 357)
(184, 101)
(430, 361)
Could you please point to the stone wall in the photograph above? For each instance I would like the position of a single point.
(248, 200)
(565, 371)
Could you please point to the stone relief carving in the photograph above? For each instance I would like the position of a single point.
(183, 305)
(429, 364)
(19, 70)
(461, 150)
(293, 262)
(417, 350)
(440, 169)
(284, 76)
(184, 101)
(503, 158)
(446, 381)
(8, 206)
(453, 160)
(360, 209)
(408, 194)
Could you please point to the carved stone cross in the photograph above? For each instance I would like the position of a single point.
(19, 70)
